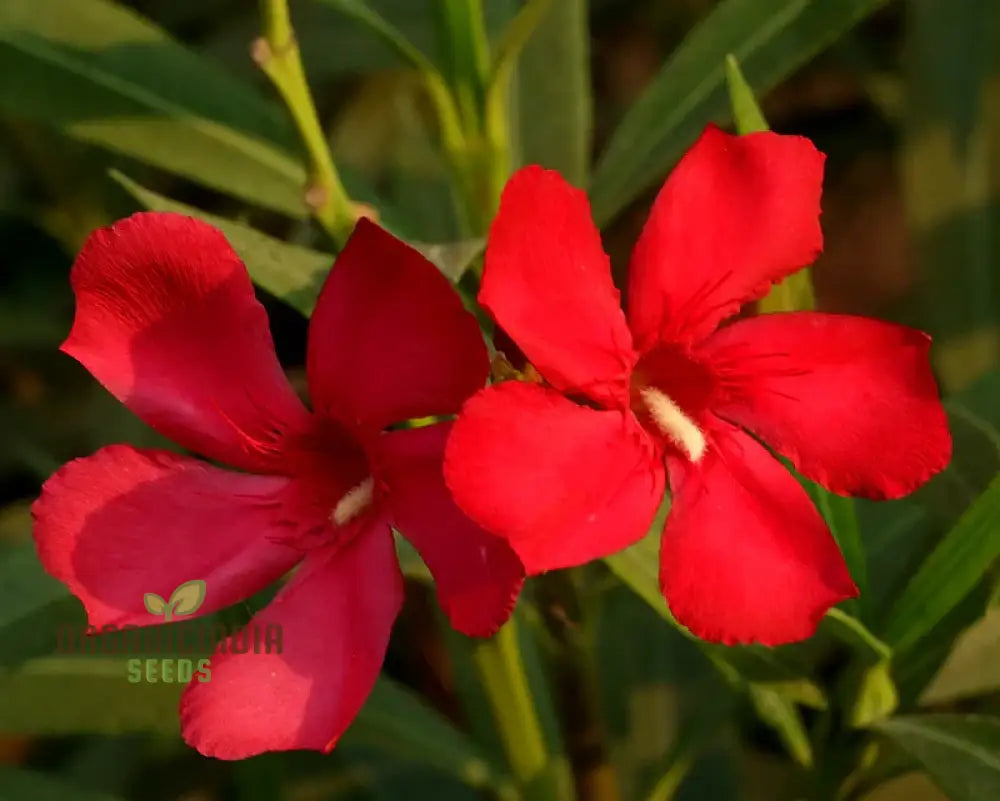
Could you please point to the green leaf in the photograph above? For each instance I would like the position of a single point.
(294, 273)
(98, 72)
(746, 113)
(289, 272)
(554, 103)
(795, 293)
(782, 715)
(950, 169)
(32, 604)
(638, 568)
(87, 694)
(78, 695)
(871, 694)
(396, 721)
(850, 630)
(842, 518)
(464, 50)
(392, 37)
(26, 784)
(770, 38)
(960, 752)
(950, 573)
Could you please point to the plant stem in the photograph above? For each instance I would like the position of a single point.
(277, 54)
(502, 672)
(567, 619)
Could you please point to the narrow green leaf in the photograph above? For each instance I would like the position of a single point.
(398, 722)
(96, 71)
(960, 752)
(770, 38)
(294, 273)
(87, 694)
(392, 37)
(464, 50)
(849, 629)
(842, 518)
(951, 571)
(554, 102)
(746, 113)
(782, 715)
(795, 293)
(289, 272)
(32, 604)
(78, 695)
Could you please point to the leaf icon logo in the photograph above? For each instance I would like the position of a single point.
(185, 600)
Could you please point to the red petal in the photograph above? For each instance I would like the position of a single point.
(390, 339)
(125, 522)
(335, 617)
(547, 281)
(476, 574)
(563, 484)
(737, 214)
(851, 401)
(166, 319)
(746, 556)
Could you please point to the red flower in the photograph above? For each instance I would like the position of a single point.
(166, 319)
(575, 470)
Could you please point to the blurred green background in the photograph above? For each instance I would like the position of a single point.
(106, 108)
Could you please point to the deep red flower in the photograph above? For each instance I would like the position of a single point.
(167, 320)
(575, 470)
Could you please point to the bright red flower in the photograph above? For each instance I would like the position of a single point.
(167, 320)
(575, 470)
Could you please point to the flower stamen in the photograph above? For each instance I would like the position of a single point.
(354, 502)
(673, 423)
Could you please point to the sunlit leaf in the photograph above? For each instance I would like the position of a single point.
(100, 73)
(289, 272)
(960, 752)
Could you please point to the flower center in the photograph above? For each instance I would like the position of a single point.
(354, 502)
(671, 421)
(670, 395)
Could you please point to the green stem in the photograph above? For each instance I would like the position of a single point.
(502, 672)
(277, 54)
(570, 621)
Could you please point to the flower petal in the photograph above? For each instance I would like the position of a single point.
(126, 522)
(167, 321)
(335, 616)
(563, 484)
(745, 556)
(851, 401)
(477, 575)
(390, 339)
(547, 281)
(737, 214)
